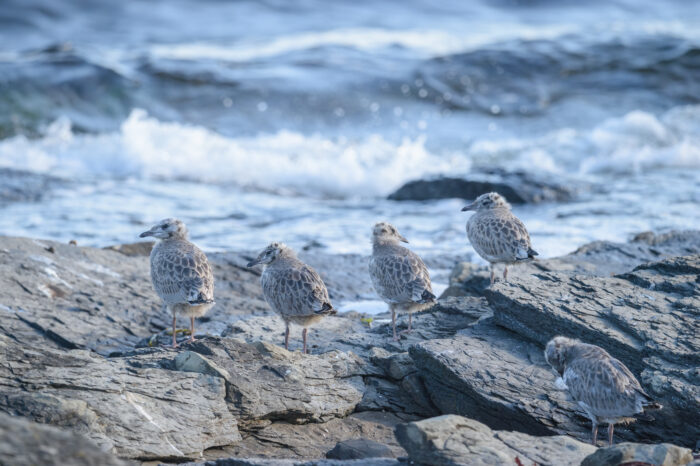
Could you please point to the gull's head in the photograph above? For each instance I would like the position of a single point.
(556, 353)
(271, 252)
(487, 201)
(166, 229)
(384, 232)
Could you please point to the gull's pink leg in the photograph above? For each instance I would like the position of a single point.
(174, 332)
(303, 336)
(611, 426)
(505, 274)
(286, 338)
(595, 433)
(410, 318)
(192, 328)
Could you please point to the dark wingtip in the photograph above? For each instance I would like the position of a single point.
(200, 301)
(532, 253)
(327, 309)
(428, 297)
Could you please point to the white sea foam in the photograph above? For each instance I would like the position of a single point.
(373, 166)
(423, 42)
(307, 164)
(632, 143)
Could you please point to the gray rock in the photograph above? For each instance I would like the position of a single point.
(599, 258)
(359, 448)
(664, 454)
(518, 187)
(494, 376)
(25, 443)
(59, 301)
(283, 440)
(280, 462)
(132, 407)
(265, 381)
(141, 248)
(86, 298)
(455, 440)
(652, 328)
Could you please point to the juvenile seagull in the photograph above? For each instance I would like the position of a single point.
(399, 276)
(604, 388)
(180, 273)
(292, 289)
(496, 234)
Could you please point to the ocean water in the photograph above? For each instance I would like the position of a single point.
(292, 121)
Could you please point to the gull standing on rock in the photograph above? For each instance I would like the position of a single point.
(496, 234)
(602, 386)
(180, 273)
(399, 276)
(292, 289)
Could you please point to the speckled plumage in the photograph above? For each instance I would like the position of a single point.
(601, 385)
(398, 275)
(496, 234)
(180, 273)
(292, 289)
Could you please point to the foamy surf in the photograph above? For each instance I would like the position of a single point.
(147, 147)
(317, 166)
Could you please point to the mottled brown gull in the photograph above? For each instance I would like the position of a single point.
(180, 273)
(496, 234)
(399, 276)
(602, 386)
(292, 289)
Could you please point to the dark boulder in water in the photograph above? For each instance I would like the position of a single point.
(518, 187)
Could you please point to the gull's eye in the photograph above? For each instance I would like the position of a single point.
(165, 225)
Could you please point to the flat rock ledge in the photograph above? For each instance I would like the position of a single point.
(81, 350)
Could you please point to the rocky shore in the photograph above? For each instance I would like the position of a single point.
(84, 375)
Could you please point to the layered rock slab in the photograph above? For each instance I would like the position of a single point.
(663, 454)
(70, 297)
(455, 440)
(494, 376)
(264, 381)
(648, 318)
(132, 406)
(26, 443)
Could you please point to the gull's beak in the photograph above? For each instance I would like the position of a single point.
(403, 239)
(469, 207)
(146, 233)
(253, 263)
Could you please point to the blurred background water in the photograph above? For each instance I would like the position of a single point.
(278, 120)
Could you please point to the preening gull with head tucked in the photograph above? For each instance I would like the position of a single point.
(602, 386)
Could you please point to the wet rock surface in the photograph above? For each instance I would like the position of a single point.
(82, 336)
(518, 187)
